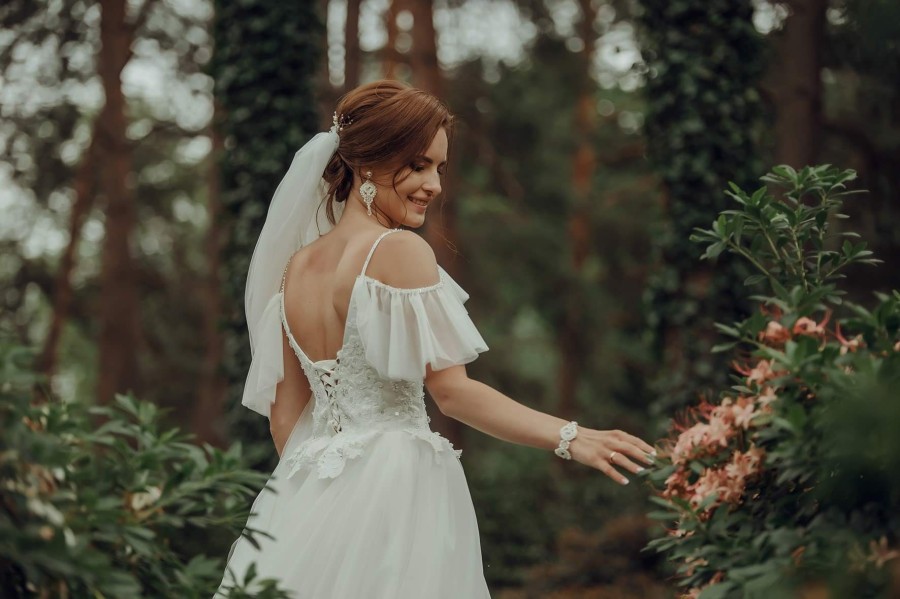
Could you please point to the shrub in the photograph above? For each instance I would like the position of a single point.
(99, 501)
(789, 482)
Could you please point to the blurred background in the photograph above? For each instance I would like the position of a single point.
(141, 140)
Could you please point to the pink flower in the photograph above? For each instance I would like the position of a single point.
(759, 374)
(723, 411)
(743, 412)
(767, 396)
(687, 441)
(713, 480)
(680, 532)
(808, 326)
(727, 482)
(743, 465)
(775, 333)
(676, 484)
(848, 345)
(719, 431)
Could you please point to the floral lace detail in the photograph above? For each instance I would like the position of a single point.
(327, 456)
(353, 406)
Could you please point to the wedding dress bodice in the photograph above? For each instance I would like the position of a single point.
(374, 385)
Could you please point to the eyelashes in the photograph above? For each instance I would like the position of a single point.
(421, 167)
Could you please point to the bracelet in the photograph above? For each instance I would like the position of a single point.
(566, 434)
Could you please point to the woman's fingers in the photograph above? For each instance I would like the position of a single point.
(636, 441)
(621, 460)
(606, 468)
(638, 452)
(608, 450)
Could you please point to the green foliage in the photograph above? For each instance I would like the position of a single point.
(704, 60)
(96, 501)
(267, 56)
(786, 239)
(789, 482)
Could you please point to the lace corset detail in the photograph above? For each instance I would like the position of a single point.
(351, 396)
(353, 403)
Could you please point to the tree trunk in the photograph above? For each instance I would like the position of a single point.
(572, 339)
(118, 304)
(352, 52)
(85, 188)
(391, 58)
(424, 62)
(208, 416)
(799, 85)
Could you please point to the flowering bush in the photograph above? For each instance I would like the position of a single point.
(789, 483)
(99, 502)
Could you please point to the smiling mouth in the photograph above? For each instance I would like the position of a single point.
(417, 202)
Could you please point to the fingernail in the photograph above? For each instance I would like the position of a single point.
(640, 469)
(625, 481)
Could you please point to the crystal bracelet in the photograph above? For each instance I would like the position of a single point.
(566, 434)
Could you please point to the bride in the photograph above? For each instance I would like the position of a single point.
(349, 315)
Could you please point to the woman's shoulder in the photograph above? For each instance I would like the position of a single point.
(404, 260)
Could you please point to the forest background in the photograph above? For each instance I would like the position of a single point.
(140, 143)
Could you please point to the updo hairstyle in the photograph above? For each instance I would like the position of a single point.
(390, 125)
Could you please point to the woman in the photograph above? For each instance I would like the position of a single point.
(346, 322)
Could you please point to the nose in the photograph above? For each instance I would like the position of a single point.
(432, 184)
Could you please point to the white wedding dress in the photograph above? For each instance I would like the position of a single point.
(367, 501)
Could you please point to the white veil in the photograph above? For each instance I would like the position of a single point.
(294, 219)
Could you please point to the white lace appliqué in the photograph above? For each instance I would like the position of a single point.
(353, 406)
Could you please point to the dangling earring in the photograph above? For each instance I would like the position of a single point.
(368, 190)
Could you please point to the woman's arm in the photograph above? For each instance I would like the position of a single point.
(291, 396)
(406, 260)
(486, 409)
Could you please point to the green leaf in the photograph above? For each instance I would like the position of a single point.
(719, 590)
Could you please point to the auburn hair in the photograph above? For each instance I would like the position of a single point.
(390, 125)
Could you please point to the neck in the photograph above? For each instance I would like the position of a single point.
(355, 215)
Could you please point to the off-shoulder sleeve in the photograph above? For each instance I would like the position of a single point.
(402, 330)
(267, 366)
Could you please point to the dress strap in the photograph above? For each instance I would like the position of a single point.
(284, 272)
(375, 245)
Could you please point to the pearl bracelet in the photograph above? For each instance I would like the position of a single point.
(566, 434)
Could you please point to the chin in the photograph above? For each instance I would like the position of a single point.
(410, 219)
(414, 223)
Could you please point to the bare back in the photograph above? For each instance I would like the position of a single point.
(318, 285)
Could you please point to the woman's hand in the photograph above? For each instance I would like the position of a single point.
(495, 414)
(605, 449)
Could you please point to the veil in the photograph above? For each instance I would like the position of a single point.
(293, 221)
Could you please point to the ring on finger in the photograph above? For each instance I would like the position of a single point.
(612, 455)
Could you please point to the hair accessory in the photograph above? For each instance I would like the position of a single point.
(338, 123)
(368, 190)
(566, 434)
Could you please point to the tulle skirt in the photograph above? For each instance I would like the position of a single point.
(397, 523)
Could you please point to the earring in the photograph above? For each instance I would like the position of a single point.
(368, 190)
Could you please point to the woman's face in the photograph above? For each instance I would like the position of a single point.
(418, 185)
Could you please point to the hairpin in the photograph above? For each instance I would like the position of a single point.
(338, 123)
